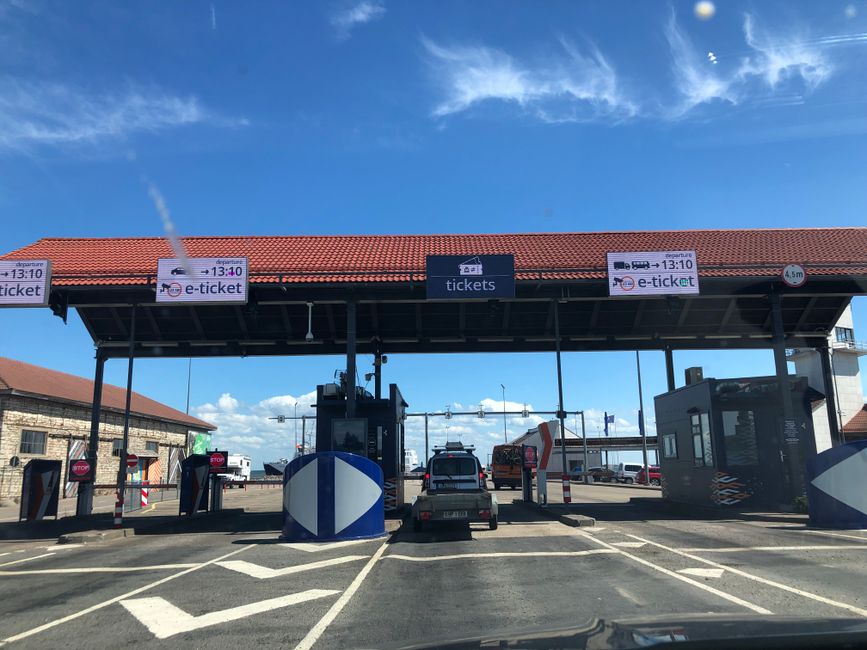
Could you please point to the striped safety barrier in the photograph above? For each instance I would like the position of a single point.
(144, 496)
(118, 511)
(567, 489)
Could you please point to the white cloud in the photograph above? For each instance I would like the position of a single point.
(41, 113)
(572, 87)
(349, 17)
(773, 66)
(227, 402)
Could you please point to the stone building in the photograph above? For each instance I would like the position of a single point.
(46, 414)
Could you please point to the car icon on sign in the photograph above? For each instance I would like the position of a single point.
(640, 264)
(179, 270)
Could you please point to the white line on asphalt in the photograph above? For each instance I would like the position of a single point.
(740, 549)
(99, 569)
(164, 619)
(682, 578)
(313, 548)
(111, 601)
(702, 573)
(316, 631)
(25, 559)
(435, 558)
(770, 583)
(263, 572)
(627, 544)
(61, 547)
(6, 553)
(830, 534)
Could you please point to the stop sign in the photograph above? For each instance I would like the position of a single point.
(217, 459)
(131, 460)
(80, 467)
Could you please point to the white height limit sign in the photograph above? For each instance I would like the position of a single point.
(211, 280)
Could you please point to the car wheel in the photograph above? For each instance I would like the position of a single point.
(416, 524)
(492, 524)
(629, 481)
(654, 481)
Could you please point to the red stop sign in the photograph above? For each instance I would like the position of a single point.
(131, 460)
(80, 467)
(217, 460)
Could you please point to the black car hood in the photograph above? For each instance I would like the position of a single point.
(680, 631)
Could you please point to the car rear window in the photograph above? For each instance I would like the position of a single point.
(633, 468)
(454, 466)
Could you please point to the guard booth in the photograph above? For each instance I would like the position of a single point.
(722, 442)
(376, 432)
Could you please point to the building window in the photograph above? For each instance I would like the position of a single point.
(152, 445)
(739, 437)
(116, 447)
(702, 451)
(33, 442)
(844, 334)
(669, 445)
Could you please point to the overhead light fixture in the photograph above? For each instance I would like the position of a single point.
(309, 336)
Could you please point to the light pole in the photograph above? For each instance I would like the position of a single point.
(505, 433)
(641, 417)
(296, 426)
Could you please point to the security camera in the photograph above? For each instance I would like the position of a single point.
(308, 337)
(384, 359)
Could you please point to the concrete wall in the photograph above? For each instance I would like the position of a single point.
(66, 422)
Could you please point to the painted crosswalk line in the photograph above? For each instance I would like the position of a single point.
(702, 573)
(263, 572)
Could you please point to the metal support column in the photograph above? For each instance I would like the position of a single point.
(789, 441)
(121, 472)
(830, 394)
(641, 428)
(669, 368)
(303, 435)
(84, 503)
(426, 452)
(584, 437)
(377, 374)
(350, 359)
(561, 413)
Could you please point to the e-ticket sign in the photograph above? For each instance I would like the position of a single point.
(24, 283)
(210, 280)
(652, 273)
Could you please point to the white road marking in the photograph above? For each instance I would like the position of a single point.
(627, 595)
(770, 583)
(436, 558)
(6, 553)
(100, 569)
(830, 534)
(263, 572)
(702, 573)
(628, 544)
(61, 547)
(682, 578)
(316, 631)
(26, 559)
(740, 549)
(164, 619)
(315, 548)
(111, 601)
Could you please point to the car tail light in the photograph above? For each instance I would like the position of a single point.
(426, 482)
(485, 514)
(425, 515)
(481, 479)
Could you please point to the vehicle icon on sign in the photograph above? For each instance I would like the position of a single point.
(179, 270)
(621, 266)
(640, 264)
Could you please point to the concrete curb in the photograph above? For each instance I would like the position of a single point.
(93, 536)
(633, 486)
(715, 512)
(556, 513)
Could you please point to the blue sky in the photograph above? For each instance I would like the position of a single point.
(384, 117)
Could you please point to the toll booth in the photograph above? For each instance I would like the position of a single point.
(723, 442)
(376, 432)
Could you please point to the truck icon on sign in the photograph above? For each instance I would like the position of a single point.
(621, 266)
(472, 266)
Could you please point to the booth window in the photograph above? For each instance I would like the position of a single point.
(32, 442)
(702, 452)
(739, 437)
(669, 445)
(844, 334)
(116, 446)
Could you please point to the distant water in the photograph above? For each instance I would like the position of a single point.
(257, 474)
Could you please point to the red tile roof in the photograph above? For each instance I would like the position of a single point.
(391, 258)
(858, 424)
(20, 377)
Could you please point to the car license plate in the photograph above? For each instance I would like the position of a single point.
(455, 514)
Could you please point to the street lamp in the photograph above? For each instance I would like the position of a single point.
(505, 434)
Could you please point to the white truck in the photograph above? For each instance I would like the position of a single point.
(239, 468)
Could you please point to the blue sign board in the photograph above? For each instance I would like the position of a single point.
(837, 487)
(458, 277)
(331, 496)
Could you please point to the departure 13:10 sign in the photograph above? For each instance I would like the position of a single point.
(211, 280)
(24, 283)
(652, 273)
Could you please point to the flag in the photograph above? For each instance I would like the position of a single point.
(609, 419)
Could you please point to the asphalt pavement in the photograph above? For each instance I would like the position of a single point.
(231, 583)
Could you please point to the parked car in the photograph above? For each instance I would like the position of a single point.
(626, 472)
(655, 475)
(601, 474)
